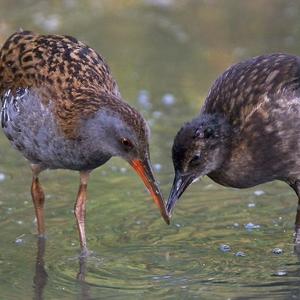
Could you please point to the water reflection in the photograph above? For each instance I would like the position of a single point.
(81, 275)
(287, 287)
(165, 55)
(40, 277)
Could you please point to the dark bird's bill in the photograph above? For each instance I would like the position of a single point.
(180, 184)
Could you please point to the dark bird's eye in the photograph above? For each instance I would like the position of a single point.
(195, 159)
(126, 143)
(208, 132)
(204, 133)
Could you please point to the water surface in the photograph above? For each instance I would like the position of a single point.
(164, 54)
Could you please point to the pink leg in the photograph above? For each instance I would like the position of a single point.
(38, 199)
(79, 210)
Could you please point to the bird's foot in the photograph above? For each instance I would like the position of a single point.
(297, 235)
(42, 236)
(82, 269)
(85, 252)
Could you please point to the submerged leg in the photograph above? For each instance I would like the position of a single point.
(38, 198)
(296, 187)
(40, 277)
(79, 210)
(297, 224)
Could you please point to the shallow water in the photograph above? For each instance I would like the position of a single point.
(164, 54)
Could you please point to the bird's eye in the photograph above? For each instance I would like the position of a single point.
(208, 132)
(126, 143)
(204, 133)
(195, 159)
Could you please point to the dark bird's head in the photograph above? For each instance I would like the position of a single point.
(200, 147)
(118, 129)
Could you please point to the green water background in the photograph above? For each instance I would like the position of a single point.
(165, 54)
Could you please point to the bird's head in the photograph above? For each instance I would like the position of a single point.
(199, 148)
(123, 132)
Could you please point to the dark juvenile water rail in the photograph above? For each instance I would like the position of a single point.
(247, 131)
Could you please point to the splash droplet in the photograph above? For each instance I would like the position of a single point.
(250, 226)
(2, 177)
(240, 253)
(277, 251)
(225, 248)
(168, 99)
(259, 193)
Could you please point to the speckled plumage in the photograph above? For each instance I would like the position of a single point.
(62, 70)
(252, 113)
(61, 108)
(260, 100)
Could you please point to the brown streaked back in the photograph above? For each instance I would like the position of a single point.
(245, 87)
(60, 69)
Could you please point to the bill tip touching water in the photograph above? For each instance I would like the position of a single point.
(247, 132)
(62, 109)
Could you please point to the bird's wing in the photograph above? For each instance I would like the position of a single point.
(63, 71)
(248, 86)
(60, 63)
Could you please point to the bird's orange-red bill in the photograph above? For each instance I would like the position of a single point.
(143, 168)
